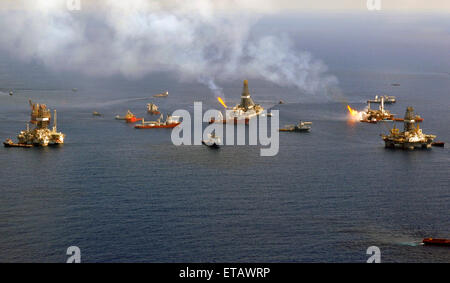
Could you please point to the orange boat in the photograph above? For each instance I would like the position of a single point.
(436, 242)
(171, 122)
(129, 117)
(133, 119)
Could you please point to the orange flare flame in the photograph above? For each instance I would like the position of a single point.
(221, 102)
(352, 112)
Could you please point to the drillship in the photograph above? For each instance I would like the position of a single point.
(412, 135)
(40, 135)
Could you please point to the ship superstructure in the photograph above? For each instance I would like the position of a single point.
(152, 109)
(411, 137)
(387, 99)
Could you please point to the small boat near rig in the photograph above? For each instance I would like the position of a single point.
(411, 137)
(300, 127)
(436, 242)
(152, 109)
(170, 122)
(212, 141)
(40, 135)
(10, 143)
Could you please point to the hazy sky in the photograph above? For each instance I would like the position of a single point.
(267, 6)
(289, 43)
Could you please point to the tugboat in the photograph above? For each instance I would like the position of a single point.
(170, 122)
(10, 143)
(213, 141)
(152, 109)
(300, 127)
(438, 143)
(40, 135)
(436, 242)
(129, 117)
(411, 137)
(162, 94)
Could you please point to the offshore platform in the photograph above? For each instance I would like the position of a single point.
(247, 109)
(411, 137)
(373, 115)
(242, 112)
(41, 135)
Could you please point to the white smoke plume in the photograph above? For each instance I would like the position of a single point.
(198, 40)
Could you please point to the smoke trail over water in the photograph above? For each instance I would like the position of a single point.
(197, 40)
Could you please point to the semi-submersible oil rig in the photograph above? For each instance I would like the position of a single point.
(41, 135)
(411, 137)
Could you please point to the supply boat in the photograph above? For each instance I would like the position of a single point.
(162, 94)
(152, 109)
(300, 127)
(170, 122)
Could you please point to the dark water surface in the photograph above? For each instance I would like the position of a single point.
(122, 194)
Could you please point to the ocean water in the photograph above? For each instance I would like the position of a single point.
(127, 195)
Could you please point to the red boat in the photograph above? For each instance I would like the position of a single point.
(133, 119)
(171, 122)
(151, 126)
(436, 242)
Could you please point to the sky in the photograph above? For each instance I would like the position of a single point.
(266, 6)
(299, 44)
